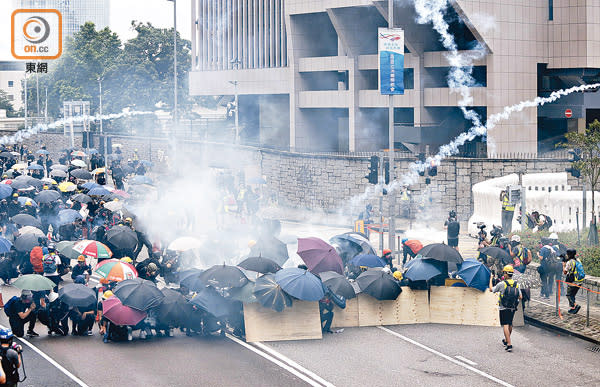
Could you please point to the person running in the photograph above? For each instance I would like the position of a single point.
(573, 270)
(508, 300)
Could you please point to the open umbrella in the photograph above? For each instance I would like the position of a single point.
(47, 196)
(272, 248)
(90, 185)
(26, 220)
(114, 206)
(34, 282)
(223, 277)
(67, 186)
(424, 269)
(24, 243)
(58, 173)
(93, 249)
(337, 284)
(35, 167)
(32, 230)
(81, 198)
(68, 216)
(122, 238)
(48, 180)
(138, 293)
(42, 152)
(475, 274)
(98, 170)
(79, 163)
(191, 280)
(60, 167)
(25, 201)
(98, 191)
(140, 179)
(260, 265)
(368, 260)
(114, 310)
(300, 283)
(173, 309)
(21, 185)
(319, 255)
(441, 252)
(66, 248)
(379, 284)
(17, 167)
(81, 174)
(270, 294)
(6, 155)
(354, 239)
(77, 153)
(116, 270)
(5, 191)
(244, 294)
(209, 300)
(500, 254)
(77, 295)
(184, 243)
(5, 245)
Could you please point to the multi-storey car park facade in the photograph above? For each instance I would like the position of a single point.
(306, 71)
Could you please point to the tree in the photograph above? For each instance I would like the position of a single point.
(6, 104)
(588, 144)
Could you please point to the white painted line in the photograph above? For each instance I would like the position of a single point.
(270, 358)
(293, 363)
(464, 359)
(542, 302)
(51, 361)
(460, 363)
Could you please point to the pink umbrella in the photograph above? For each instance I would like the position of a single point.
(319, 255)
(121, 314)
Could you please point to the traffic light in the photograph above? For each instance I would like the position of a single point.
(422, 161)
(373, 176)
(432, 171)
(575, 172)
(386, 172)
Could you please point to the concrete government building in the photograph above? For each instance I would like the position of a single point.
(306, 71)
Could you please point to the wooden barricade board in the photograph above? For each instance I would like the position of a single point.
(300, 322)
(466, 306)
(348, 317)
(410, 307)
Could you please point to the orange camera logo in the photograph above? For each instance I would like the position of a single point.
(36, 34)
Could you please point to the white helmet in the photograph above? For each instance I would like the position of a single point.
(553, 236)
(515, 238)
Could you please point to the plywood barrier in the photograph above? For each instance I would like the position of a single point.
(466, 306)
(300, 322)
(411, 307)
(348, 317)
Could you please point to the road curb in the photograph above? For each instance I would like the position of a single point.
(550, 327)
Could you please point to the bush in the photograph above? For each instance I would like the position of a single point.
(590, 258)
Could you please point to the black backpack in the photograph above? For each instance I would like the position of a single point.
(510, 296)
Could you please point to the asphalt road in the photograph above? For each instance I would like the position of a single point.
(419, 355)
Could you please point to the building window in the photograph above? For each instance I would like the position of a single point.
(11, 97)
(11, 83)
(550, 9)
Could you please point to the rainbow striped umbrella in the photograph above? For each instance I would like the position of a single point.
(93, 249)
(116, 270)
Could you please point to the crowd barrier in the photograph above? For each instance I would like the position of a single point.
(440, 305)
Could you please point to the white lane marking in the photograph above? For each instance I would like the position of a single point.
(293, 363)
(465, 360)
(544, 303)
(270, 358)
(485, 375)
(51, 361)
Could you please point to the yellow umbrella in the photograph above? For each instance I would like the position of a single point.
(19, 166)
(98, 170)
(67, 186)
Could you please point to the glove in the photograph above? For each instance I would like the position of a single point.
(17, 347)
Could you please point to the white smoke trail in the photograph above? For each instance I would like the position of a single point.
(23, 134)
(452, 147)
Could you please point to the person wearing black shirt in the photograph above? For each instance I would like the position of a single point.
(453, 227)
(23, 311)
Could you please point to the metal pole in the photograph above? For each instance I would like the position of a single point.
(381, 234)
(523, 209)
(391, 221)
(46, 108)
(557, 293)
(175, 117)
(71, 119)
(25, 102)
(237, 115)
(587, 321)
(584, 207)
(102, 138)
(37, 93)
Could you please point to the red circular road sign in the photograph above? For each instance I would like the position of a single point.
(568, 113)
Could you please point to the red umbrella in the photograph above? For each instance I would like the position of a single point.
(121, 314)
(319, 255)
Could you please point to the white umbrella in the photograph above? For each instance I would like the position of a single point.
(79, 163)
(59, 166)
(185, 243)
(31, 230)
(114, 206)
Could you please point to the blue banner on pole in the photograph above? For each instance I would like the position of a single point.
(391, 61)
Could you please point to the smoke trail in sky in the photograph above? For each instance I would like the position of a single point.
(23, 134)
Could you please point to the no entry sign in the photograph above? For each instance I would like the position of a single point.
(568, 113)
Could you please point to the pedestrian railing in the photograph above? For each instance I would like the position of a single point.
(588, 292)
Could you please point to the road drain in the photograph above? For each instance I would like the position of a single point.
(594, 349)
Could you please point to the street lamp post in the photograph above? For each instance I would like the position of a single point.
(175, 118)
(391, 156)
(104, 143)
(236, 64)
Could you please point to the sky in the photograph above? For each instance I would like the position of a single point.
(122, 12)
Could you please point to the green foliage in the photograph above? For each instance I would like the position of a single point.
(6, 104)
(590, 258)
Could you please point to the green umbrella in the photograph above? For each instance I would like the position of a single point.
(66, 248)
(34, 282)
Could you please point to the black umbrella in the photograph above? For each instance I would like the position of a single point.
(270, 295)
(338, 284)
(25, 243)
(122, 238)
(192, 281)
(21, 185)
(26, 220)
(441, 252)
(500, 254)
(260, 265)
(209, 300)
(173, 309)
(77, 295)
(138, 293)
(81, 198)
(47, 196)
(223, 276)
(271, 248)
(379, 284)
(81, 174)
(7, 155)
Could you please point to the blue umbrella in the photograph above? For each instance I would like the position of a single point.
(35, 167)
(424, 269)
(23, 200)
(300, 283)
(5, 245)
(209, 300)
(92, 151)
(141, 179)
(5, 191)
(90, 185)
(42, 152)
(475, 274)
(68, 216)
(368, 260)
(99, 191)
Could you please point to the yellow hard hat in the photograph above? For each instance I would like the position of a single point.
(107, 294)
(508, 269)
(81, 258)
(251, 243)
(398, 275)
(128, 220)
(126, 260)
